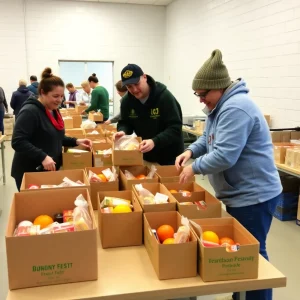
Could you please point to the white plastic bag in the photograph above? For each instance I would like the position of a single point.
(81, 217)
(152, 172)
(127, 142)
(88, 124)
(147, 196)
(183, 233)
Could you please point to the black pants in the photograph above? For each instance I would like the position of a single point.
(1, 121)
(18, 183)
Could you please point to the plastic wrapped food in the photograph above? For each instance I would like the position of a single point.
(183, 233)
(147, 196)
(113, 202)
(152, 172)
(127, 142)
(88, 124)
(129, 175)
(81, 217)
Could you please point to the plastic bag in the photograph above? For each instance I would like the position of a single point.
(129, 175)
(113, 202)
(81, 217)
(147, 196)
(93, 132)
(68, 182)
(94, 177)
(88, 124)
(183, 233)
(110, 174)
(152, 172)
(127, 142)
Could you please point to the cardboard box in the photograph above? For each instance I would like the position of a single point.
(41, 178)
(94, 137)
(108, 130)
(212, 208)
(122, 229)
(101, 160)
(73, 161)
(77, 120)
(268, 119)
(280, 151)
(217, 263)
(295, 135)
(68, 122)
(281, 136)
(126, 184)
(80, 108)
(156, 188)
(169, 174)
(100, 186)
(76, 133)
(291, 157)
(53, 258)
(127, 157)
(169, 261)
(96, 116)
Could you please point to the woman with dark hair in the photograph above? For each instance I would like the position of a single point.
(122, 91)
(100, 98)
(39, 132)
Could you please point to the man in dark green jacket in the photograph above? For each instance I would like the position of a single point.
(153, 113)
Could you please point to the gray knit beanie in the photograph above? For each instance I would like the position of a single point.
(213, 74)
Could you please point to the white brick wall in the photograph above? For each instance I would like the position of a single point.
(260, 41)
(71, 30)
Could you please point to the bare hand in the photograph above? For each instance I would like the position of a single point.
(49, 164)
(118, 134)
(146, 146)
(84, 142)
(186, 174)
(107, 122)
(182, 159)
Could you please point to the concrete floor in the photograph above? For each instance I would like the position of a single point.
(283, 242)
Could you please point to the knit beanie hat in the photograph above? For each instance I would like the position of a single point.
(213, 74)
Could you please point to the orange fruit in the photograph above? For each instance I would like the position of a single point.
(210, 236)
(224, 241)
(169, 241)
(173, 191)
(141, 176)
(43, 221)
(102, 177)
(165, 232)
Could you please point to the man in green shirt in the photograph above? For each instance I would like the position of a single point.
(100, 98)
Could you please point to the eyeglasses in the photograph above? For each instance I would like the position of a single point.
(202, 95)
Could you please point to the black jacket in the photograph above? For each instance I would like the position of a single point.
(3, 103)
(159, 119)
(34, 138)
(18, 98)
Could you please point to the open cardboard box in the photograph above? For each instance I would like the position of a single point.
(68, 121)
(101, 160)
(73, 161)
(96, 116)
(127, 157)
(156, 188)
(76, 133)
(169, 174)
(108, 130)
(94, 137)
(77, 120)
(80, 108)
(211, 209)
(53, 258)
(169, 261)
(126, 184)
(217, 263)
(121, 229)
(280, 151)
(100, 186)
(41, 178)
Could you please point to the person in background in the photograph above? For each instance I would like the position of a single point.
(74, 97)
(236, 153)
(39, 133)
(122, 91)
(19, 97)
(33, 87)
(152, 112)
(3, 108)
(86, 94)
(100, 98)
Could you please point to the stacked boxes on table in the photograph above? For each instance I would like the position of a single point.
(9, 126)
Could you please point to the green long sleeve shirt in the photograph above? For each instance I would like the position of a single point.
(99, 101)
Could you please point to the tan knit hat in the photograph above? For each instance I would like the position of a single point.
(213, 74)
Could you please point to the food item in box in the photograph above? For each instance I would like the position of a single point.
(59, 218)
(186, 203)
(33, 187)
(25, 223)
(107, 210)
(164, 232)
(185, 193)
(77, 151)
(122, 209)
(43, 221)
(113, 202)
(225, 241)
(27, 230)
(149, 198)
(173, 191)
(88, 124)
(104, 152)
(102, 177)
(127, 142)
(93, 132)
(81, 217)
(141, 176)
(201, 205)
(106, 175)
(183, 233)
(68, 215)
(169, 241)
(210, 236)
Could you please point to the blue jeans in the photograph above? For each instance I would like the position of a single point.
(257, 220)
(1, 121)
